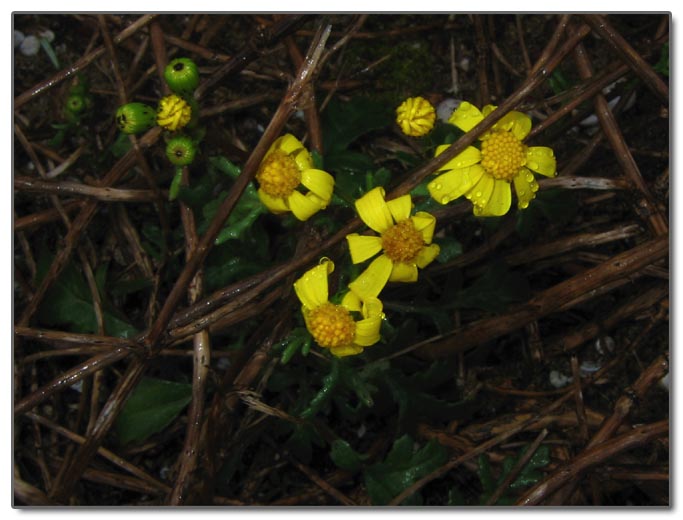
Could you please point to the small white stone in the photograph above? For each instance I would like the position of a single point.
(604, 345)
(18, 37)
(30, 46)
(558, 379)
(48, 35)
(446, 108)
(666, 382)
(589, 366)
(361, 431)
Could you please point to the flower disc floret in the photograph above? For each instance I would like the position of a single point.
(485, 176)
(278, 175)
(415, 116)
(331, 326)
(502, 155)
(402, 242)
(173, 113)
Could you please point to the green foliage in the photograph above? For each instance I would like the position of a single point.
(403, 466)
(152, 406)
(344, 122)
(69, 302)
(527, 477)
(345, 457)
(495, 290)
(559, 207)
(662, 65)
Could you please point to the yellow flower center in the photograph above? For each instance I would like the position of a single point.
(173, 113)
(402, 242)
(331, 326)
(278, 174)
(502, 155)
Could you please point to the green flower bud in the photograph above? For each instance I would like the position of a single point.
(182, 76)
(181, 150)
(76, 104)
(134, 118)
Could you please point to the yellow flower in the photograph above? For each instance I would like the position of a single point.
(415, 116)
(484, 176)
(333, 326)
(173, 112)
(286, 166)
(405, 242)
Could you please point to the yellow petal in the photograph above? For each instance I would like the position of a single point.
(487, 109)
(403, 272)
(466, 116)
(363, 247)
(541, 159)
(468, 157)
(367, 331)
(288, 143)
(319, 182)
(427, 255)
(400, 207)
(274, 204)
(349, 350)
(371, 281)
(373, 210)
(453, 184)
(304, 206)
(303, 160)
(516, 122)
(481, 192)
(499, 201)
(351, 302)
(311, 288)
(525, 187)
(424, 223)
(372, 308)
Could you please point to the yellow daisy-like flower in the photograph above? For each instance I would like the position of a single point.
(173, 112)
(405, 242)
(286, 166)
(333, 326)
(415, 116)
(484, 176)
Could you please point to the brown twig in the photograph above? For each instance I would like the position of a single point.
(592, 457)
(606, 30)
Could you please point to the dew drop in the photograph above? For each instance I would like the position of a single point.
(521, 193)
(444, 200)
(478, 194)
(530, 177)
(438, 187)
(523, 204)
(533, 165)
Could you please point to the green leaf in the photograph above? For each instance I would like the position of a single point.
(559, 207)
(344, 122)
(345, 457)
(69, 303)
(528, 476)
(403, 467)
(495, 290)
(449, 249)
(152, 406)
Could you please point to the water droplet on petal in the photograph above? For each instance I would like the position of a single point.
(523, 204)
(530, 177)
(444, 200)
(478, 194)
(437, 187)
(521, 193)
(532, 164)
(534, 186)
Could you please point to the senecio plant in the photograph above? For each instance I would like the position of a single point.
(398, 242)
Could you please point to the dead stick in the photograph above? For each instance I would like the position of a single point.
(594, 456)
